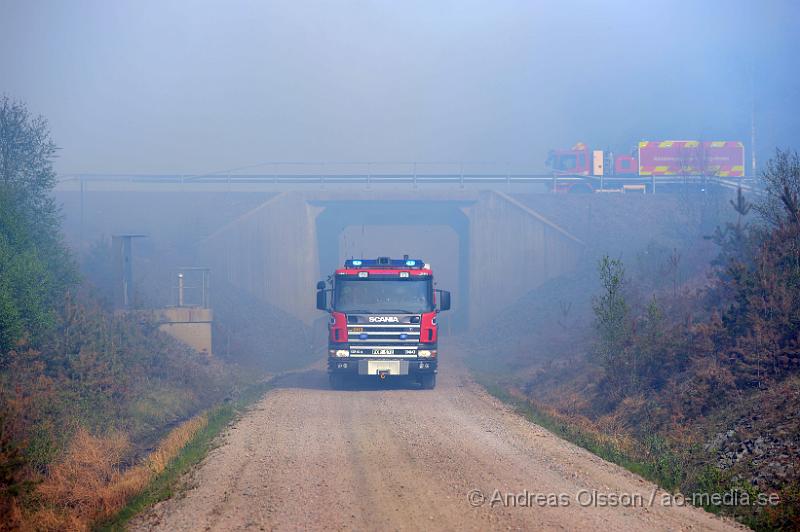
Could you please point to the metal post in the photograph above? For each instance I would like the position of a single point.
(654, 183)
(123, 269)
(752, 125)
(207, 277)
(83, 201)
(180, 289)
(127, 264)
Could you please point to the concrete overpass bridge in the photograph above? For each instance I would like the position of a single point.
(487, 247)
(296, 227)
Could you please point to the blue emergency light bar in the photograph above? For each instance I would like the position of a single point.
(385, 262)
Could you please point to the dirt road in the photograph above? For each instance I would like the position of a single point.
(306, 457)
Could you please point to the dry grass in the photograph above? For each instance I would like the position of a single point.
(606, 432)
(89, 483)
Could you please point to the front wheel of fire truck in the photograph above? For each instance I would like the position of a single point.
(428, 381)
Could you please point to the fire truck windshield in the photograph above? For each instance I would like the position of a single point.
(566, 162)
(372, 295)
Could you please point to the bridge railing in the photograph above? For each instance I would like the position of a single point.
(460, 174)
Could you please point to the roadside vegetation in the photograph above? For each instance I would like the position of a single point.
(688, 376)
(183, 448)
(93, 404)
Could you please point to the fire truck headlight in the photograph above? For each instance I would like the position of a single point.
(342, 353)
(424, 353)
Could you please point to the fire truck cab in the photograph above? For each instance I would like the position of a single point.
(581, 161)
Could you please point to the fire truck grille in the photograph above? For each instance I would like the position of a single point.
(389, 335)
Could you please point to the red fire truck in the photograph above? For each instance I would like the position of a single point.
(382, 320)
(678, 159)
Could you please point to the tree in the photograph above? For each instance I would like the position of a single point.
(26, 154)
(612, 322)
(759, 278)
(35, 267)
(737, 241)
(781, 180)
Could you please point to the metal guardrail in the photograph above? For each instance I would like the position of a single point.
(321, 178)
(367, 174)
(402, 179)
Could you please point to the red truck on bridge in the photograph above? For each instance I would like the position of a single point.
(383, 320)
(661, 158)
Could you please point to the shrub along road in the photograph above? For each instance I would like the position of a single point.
(309, 457)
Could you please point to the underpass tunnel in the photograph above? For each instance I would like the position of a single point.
(435, 231)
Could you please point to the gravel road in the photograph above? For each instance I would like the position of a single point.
(306, 457)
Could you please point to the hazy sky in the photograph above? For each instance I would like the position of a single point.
(190, 86)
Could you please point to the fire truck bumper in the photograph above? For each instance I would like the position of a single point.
(381, 367)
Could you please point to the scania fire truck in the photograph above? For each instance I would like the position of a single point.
(382, 320)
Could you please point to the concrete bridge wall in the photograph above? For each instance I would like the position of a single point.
(513, 249)
(271, 252)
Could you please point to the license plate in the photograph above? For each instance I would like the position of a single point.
(383, 351)
(390, 367)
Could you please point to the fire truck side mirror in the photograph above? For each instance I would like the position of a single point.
(322, 297)
(444, 300)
